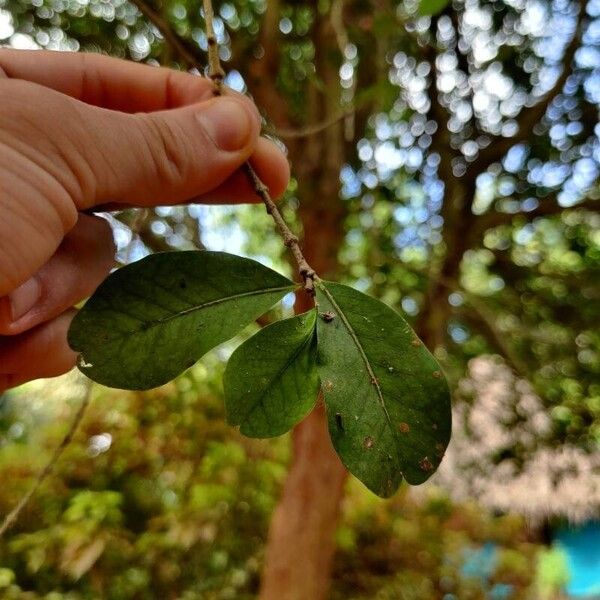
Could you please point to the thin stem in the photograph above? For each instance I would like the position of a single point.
(216, 73)
(13, 515)
(312, 129)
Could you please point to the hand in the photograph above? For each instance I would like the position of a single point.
(79, 131)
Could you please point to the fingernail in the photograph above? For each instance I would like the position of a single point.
(227, 123)
(24, 298)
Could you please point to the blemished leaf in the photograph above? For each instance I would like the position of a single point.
(429, 8)
(153, 319)
(271, 381)
(388, 404)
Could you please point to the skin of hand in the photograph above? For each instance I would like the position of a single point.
(79, 131)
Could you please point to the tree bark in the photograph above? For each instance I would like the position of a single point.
(301, 546)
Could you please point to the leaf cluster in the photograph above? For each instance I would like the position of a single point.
(386, 399)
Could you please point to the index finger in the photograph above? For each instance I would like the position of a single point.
(105, 81)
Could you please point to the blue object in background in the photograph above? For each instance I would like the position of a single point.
(501, 591)
(479, 563)
(582, 548)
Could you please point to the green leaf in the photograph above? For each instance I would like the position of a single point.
(153, 319)
(429, 8)
(271, 381)
(388, 404)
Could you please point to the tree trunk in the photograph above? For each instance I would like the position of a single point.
(301, 545)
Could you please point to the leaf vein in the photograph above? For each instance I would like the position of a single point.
(365, 359)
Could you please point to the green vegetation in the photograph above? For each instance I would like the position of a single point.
(159, 498)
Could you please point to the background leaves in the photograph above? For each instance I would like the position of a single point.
(432, 7)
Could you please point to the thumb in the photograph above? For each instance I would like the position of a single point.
(169, 156)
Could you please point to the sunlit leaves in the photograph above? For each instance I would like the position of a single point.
(271, 381)
(151, 320)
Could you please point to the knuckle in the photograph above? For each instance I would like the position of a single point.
(169, 155)
(38, 139)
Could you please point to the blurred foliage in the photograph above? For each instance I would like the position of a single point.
(158, 498)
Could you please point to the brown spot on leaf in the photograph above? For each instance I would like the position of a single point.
(434, 426)
(374, 381)
(439, 450)
(327, 316)
(437, 374)
(368, 442)
(425, 464)
(328, 386)
(416, 342)
(404, 427)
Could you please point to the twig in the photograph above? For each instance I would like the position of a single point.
(216, 73)
(13, 515)
(498, 338)
(312, 129)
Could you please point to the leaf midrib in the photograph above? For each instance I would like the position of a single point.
(157, 322)
(370, 372)
(308, 338)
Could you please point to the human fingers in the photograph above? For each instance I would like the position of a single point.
(133, 87)
(39, 352)
(105, 81)
(98, 156)
(270, 165)
(80, 264)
